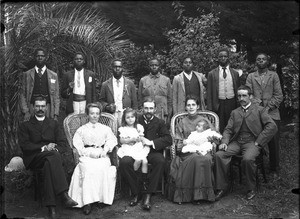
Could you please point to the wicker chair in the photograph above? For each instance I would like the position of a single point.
(211, 116)
(74, 121)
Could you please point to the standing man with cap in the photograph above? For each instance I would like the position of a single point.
(40, 81)
(118, 92)
(267, 93)
(158, 87)
(222, 84)
(79, 86)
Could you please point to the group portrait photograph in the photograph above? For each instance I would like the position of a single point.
(149, 109)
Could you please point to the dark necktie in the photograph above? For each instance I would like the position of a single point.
(245, 109)
(40, 72)
(224, 73)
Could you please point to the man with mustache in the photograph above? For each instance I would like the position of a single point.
(42, 140)
(40, 81)
(248, 130)
(267, 93)
(157, 137)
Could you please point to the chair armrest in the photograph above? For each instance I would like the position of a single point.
(75, 155)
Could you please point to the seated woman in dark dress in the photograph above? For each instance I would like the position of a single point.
(192, 172)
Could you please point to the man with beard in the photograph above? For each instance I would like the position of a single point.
(267, 93)
(157, 137)
(186, 83)
(158, 87)
(40, 81)
(118, 92)
(248, 130)
(222, 84)
(42, 140)
(78, 86)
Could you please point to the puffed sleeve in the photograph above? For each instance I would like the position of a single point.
(110, 140)
(140, 129)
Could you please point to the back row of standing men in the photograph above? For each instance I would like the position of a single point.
(218, 90)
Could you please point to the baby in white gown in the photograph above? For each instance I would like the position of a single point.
(198, 141)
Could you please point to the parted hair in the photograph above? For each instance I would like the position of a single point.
(91, 105)
(126, 112)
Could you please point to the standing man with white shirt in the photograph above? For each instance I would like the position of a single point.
(40, 81)
(79, 86)
(222, 84)
(188, 82)
(118, 92)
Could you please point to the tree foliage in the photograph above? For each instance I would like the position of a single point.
(61, 28)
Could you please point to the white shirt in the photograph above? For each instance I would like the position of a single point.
(226, 90)
(118, 93)
(246, 107)
(188, 76)
(79, 85)
(43, 69)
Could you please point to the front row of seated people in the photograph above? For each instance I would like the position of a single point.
(142, 141)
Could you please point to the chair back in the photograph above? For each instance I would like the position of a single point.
(211, 116)
(73, 121)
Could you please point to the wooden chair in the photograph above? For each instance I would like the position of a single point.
(73, 121)
(211, 116)
(236, 162)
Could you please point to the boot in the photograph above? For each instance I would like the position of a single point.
(51, 212)
(67, 200)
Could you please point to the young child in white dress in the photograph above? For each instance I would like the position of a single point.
(131, 134)
(198, 141)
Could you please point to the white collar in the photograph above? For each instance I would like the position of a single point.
(226, 68)
(115, 80)
(43, 69)
(40, 118)
(246, 107)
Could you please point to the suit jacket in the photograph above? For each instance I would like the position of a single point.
(268, 94)
(258, 121)
(213, 88)
(129, 94)
(90, 88)
(156, 131)
(179, 92)
(32, 137)
(27, 88)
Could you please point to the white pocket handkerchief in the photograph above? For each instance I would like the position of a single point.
(90, 79)
(52, 81)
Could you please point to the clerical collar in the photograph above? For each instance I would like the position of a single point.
(246, 107)
(40, 118)
(147, 120)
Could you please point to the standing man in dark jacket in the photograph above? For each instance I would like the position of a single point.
(42, 141)
(157, 137)
(40, 81)
(79, 86)
(222, 84)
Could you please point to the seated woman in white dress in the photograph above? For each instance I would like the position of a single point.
(199, 140)
(94, 178)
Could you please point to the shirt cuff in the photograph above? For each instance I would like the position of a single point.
(153, 145)
(43, 148)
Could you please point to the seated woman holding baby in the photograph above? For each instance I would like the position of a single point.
(192, 170)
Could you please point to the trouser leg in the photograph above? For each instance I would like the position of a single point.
(157, 162)
(128, 173)
(274, 150)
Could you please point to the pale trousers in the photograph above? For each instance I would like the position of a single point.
(79, 106)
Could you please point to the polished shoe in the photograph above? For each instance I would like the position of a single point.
(219, 195)
(51, 212)
(147, 202)
(250, 194)
(68, 202)
(134, 201)
(87, 209)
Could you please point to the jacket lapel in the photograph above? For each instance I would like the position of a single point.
(125, 87)
(110, 86)
(266, 80)
(86, 78)
(257, 78)
(216, 77)
(45, 124)
(233, 79)
(182, 81)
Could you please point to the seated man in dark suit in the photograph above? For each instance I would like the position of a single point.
(157, 137)
(41, 141)
(249, 129)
